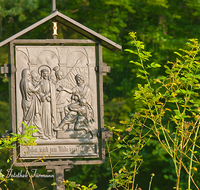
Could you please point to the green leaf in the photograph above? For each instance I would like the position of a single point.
(155, 65)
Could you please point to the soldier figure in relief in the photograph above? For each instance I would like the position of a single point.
(81, 90)
(80, 113)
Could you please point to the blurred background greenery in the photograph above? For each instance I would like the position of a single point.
(163, 25)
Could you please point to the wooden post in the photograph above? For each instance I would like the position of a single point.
(59, 174)
(53, 6)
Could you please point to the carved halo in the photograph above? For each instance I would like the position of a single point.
(44, 67)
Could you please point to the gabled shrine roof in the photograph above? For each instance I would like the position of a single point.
(63, 19)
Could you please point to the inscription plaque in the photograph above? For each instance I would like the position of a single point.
(51, 151)
(56, 92)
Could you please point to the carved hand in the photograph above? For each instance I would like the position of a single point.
(53, 120)
(41, 83)
(78, 95)
(43, 99)
(48, 99)
(91, 121)
(60, 88)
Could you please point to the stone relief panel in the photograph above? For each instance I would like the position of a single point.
(56, 92)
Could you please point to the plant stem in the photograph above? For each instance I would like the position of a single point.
(179, 166)
(135, 168)
(151, 181)
(110, 159)
(178, 174)
(191, 158)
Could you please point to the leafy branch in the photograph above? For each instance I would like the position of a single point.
(170, 105)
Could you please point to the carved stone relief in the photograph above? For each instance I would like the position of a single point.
(56, 92)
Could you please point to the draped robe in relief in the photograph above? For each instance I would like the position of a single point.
(84, 92)
(48, 108)
(30, 103)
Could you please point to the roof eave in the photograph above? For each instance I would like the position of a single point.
(85, 31)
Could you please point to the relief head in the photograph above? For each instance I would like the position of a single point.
(26, 74)
(35, 76)
(45, 73)
(58, 73)
(82, 102)
(79, 80)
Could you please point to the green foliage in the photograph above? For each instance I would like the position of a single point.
(24, 139)
(71, 185)
(9, 143)
(131, 143)
(18, 8)
(170, 106)
(163, 26)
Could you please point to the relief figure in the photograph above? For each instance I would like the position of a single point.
(80, 112)
(71, 116)
(77, 115)
(37, 117)
(62, 97)
(30, 101)
(81, 90)
(48, 104)
(82, 122)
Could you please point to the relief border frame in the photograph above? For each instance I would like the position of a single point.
(100, 106)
